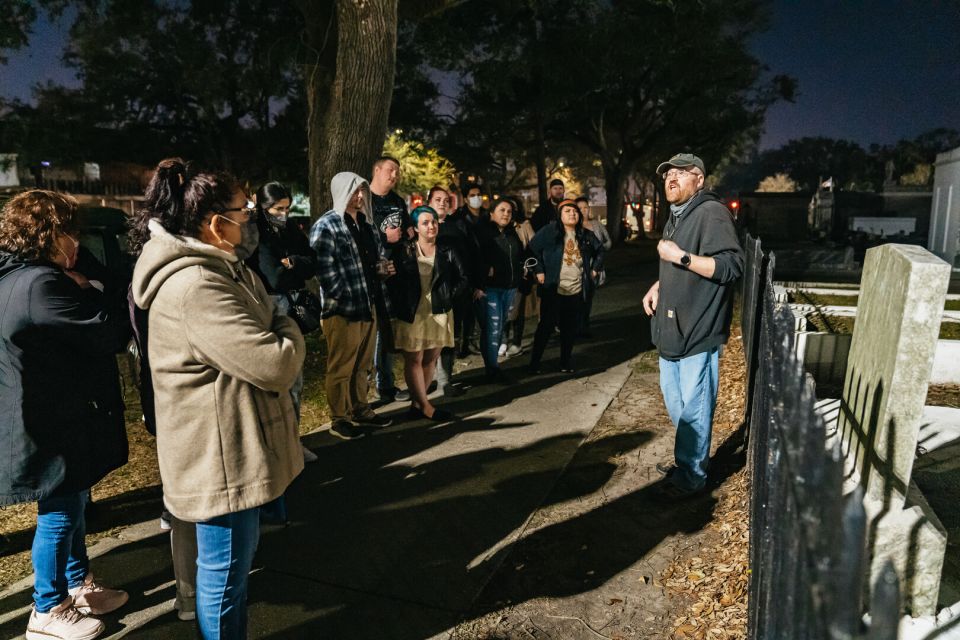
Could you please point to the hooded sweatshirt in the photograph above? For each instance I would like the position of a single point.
(693, 313)
(348, 289)
(222, 363)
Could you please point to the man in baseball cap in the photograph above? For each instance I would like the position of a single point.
(700, 260)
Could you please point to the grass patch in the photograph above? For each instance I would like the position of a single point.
(844, 325)
(824, 300)
(647, 362)
(943, 395)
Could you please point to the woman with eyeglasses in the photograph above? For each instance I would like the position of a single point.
(429, 278)
(568, 260)
(63, 428)
(284, 261)
(222, 363)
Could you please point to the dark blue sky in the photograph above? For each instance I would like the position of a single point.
(868, 70)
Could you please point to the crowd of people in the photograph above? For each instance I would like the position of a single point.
(219, 302)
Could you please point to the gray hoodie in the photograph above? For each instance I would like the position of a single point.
(343, 283)
(222, 365)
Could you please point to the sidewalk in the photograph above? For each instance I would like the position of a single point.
(403, 535)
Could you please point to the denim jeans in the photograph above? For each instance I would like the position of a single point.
(493, 311)
(225, 548)
(689, 387)
(59, 552)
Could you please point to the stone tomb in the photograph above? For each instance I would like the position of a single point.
(879, 414)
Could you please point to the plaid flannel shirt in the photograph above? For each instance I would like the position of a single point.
(344, 290)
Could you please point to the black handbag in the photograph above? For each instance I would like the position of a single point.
(306, 310)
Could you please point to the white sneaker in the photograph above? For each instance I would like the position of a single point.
(513, 350)
(91, 598)
(63, 622)
(308, 456)
(502, 351)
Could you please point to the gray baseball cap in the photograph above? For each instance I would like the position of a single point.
(681, 160)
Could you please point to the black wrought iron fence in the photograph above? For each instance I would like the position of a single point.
(807, 541)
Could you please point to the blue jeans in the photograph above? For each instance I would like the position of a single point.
(383, 361)
(225, 548)
(493, 311)
(59, 552)
(689, 387)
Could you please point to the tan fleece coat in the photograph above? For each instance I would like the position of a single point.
(222, 366)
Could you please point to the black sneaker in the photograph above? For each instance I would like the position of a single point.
(453, 390)
(402, 395)
(373, 420)
(499, 377)
(666, 468)
(432, 387)
(346, 430)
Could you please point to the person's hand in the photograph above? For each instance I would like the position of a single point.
(594, 274)
(286, 263)
(411, 232)
(393, 234)
(669, 251)
(391, 268)
(79, 278)
(651, 299)
(541, 278)
(478, 294)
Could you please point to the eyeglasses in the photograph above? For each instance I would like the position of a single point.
(679, 173)
(248, 210)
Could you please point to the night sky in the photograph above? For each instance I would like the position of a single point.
(870, 71)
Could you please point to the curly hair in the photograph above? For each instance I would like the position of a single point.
(179, 197)
(31, 221)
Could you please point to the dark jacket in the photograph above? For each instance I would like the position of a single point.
(543, 215)
(693, 313)
(449, 280)
(62, 425)
(501, 257)
(276, 244)
(458, 234)
(547, 248)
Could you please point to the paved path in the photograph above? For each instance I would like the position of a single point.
(396, 535)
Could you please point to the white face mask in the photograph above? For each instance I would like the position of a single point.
(475, 202)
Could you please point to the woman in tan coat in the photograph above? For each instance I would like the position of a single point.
(222, 363)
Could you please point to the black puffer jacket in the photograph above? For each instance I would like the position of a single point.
(501, 256)
(62, 425)
(449, 280)
(277, 243)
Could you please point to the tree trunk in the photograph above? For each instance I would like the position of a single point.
(613, 184)
(349, 88)
(540, 158)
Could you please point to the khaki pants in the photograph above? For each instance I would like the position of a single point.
(350, 346)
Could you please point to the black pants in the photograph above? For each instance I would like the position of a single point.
(587, 308)
(565, 312)
(517, 326)
(464, 320)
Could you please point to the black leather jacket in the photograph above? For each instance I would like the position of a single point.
(501, 257)
(449, 280)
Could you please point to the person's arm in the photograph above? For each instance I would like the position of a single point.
(323, 244)
(224, 334)
(460, 271)
(651, 299)
(78, 315)
(303, 261)
(720, 259)
(607, 242)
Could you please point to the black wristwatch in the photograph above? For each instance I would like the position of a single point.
(685, 260)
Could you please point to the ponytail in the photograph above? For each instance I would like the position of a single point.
(179, 198)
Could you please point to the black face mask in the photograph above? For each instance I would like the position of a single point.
(249, 239)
